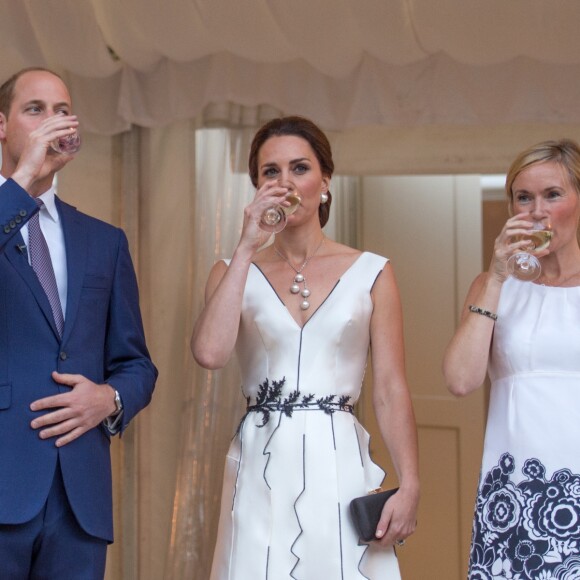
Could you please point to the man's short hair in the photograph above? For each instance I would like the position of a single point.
(7, 88)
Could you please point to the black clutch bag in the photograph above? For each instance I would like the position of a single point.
(366, 512)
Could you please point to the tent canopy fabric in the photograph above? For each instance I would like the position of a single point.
(346, 63)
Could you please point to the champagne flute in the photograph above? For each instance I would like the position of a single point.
(274, 218)
(68, 144)
(523, 265)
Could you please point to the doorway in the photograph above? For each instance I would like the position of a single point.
(438, 231)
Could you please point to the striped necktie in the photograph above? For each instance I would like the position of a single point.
(42, 266)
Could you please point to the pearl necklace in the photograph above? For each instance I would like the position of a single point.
(299, 277)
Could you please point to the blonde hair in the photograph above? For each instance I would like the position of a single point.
(565, 152)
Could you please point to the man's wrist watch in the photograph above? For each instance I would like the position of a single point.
(118, 404)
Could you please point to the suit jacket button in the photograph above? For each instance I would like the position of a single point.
(17, 219)
(12, 224)
(7, 229)
(22, 212)
(62, 355)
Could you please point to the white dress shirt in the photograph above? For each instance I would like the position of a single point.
(51, 227)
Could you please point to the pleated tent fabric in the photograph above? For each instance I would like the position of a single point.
(359, 62)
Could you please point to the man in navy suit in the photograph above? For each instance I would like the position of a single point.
(63, 390)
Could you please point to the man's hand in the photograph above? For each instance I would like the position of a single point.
(38, 160)
(85, 406)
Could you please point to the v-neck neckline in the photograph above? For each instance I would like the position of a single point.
(301, 327)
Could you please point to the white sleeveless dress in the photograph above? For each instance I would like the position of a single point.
(300, 455)
(527, 520)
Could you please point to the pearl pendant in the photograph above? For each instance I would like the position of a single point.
(299, 278)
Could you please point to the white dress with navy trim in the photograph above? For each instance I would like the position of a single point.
(300, 455)
(527, 520)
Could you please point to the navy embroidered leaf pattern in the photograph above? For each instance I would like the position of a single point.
(270, 398)
(344, 401)
(325, 403)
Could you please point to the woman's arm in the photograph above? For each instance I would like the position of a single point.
(216, 329)
(393, 408)
(466, 357)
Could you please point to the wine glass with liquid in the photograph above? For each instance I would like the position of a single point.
(275, 217)
(69, 144)
(523, 265)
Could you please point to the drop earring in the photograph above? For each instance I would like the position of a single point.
(323, 197)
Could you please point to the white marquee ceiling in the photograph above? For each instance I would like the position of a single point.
(345, 63)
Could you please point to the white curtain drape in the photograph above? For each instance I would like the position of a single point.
(213, 404)
(213, 400)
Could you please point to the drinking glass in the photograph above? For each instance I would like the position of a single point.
(523, 265)
(68, 144)
(274, 218)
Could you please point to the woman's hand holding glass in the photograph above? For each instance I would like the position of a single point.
(527, 239)
(274, 217)
(254, 235)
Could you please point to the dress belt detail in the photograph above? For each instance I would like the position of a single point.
(270, 399)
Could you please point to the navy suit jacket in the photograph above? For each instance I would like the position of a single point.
(103, 340)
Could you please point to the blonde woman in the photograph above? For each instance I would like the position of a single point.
(526, 335)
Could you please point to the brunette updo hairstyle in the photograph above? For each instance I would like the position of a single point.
(298, 127)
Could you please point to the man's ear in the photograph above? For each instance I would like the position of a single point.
(3, 122)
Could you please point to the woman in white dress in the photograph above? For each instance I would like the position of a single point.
(527, 335)
(301, 314)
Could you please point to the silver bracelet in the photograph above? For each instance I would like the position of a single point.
(478, 310)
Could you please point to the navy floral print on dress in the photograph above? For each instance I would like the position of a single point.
(529, 530)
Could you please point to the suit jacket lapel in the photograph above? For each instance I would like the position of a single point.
(75, 240)
(19, 261)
